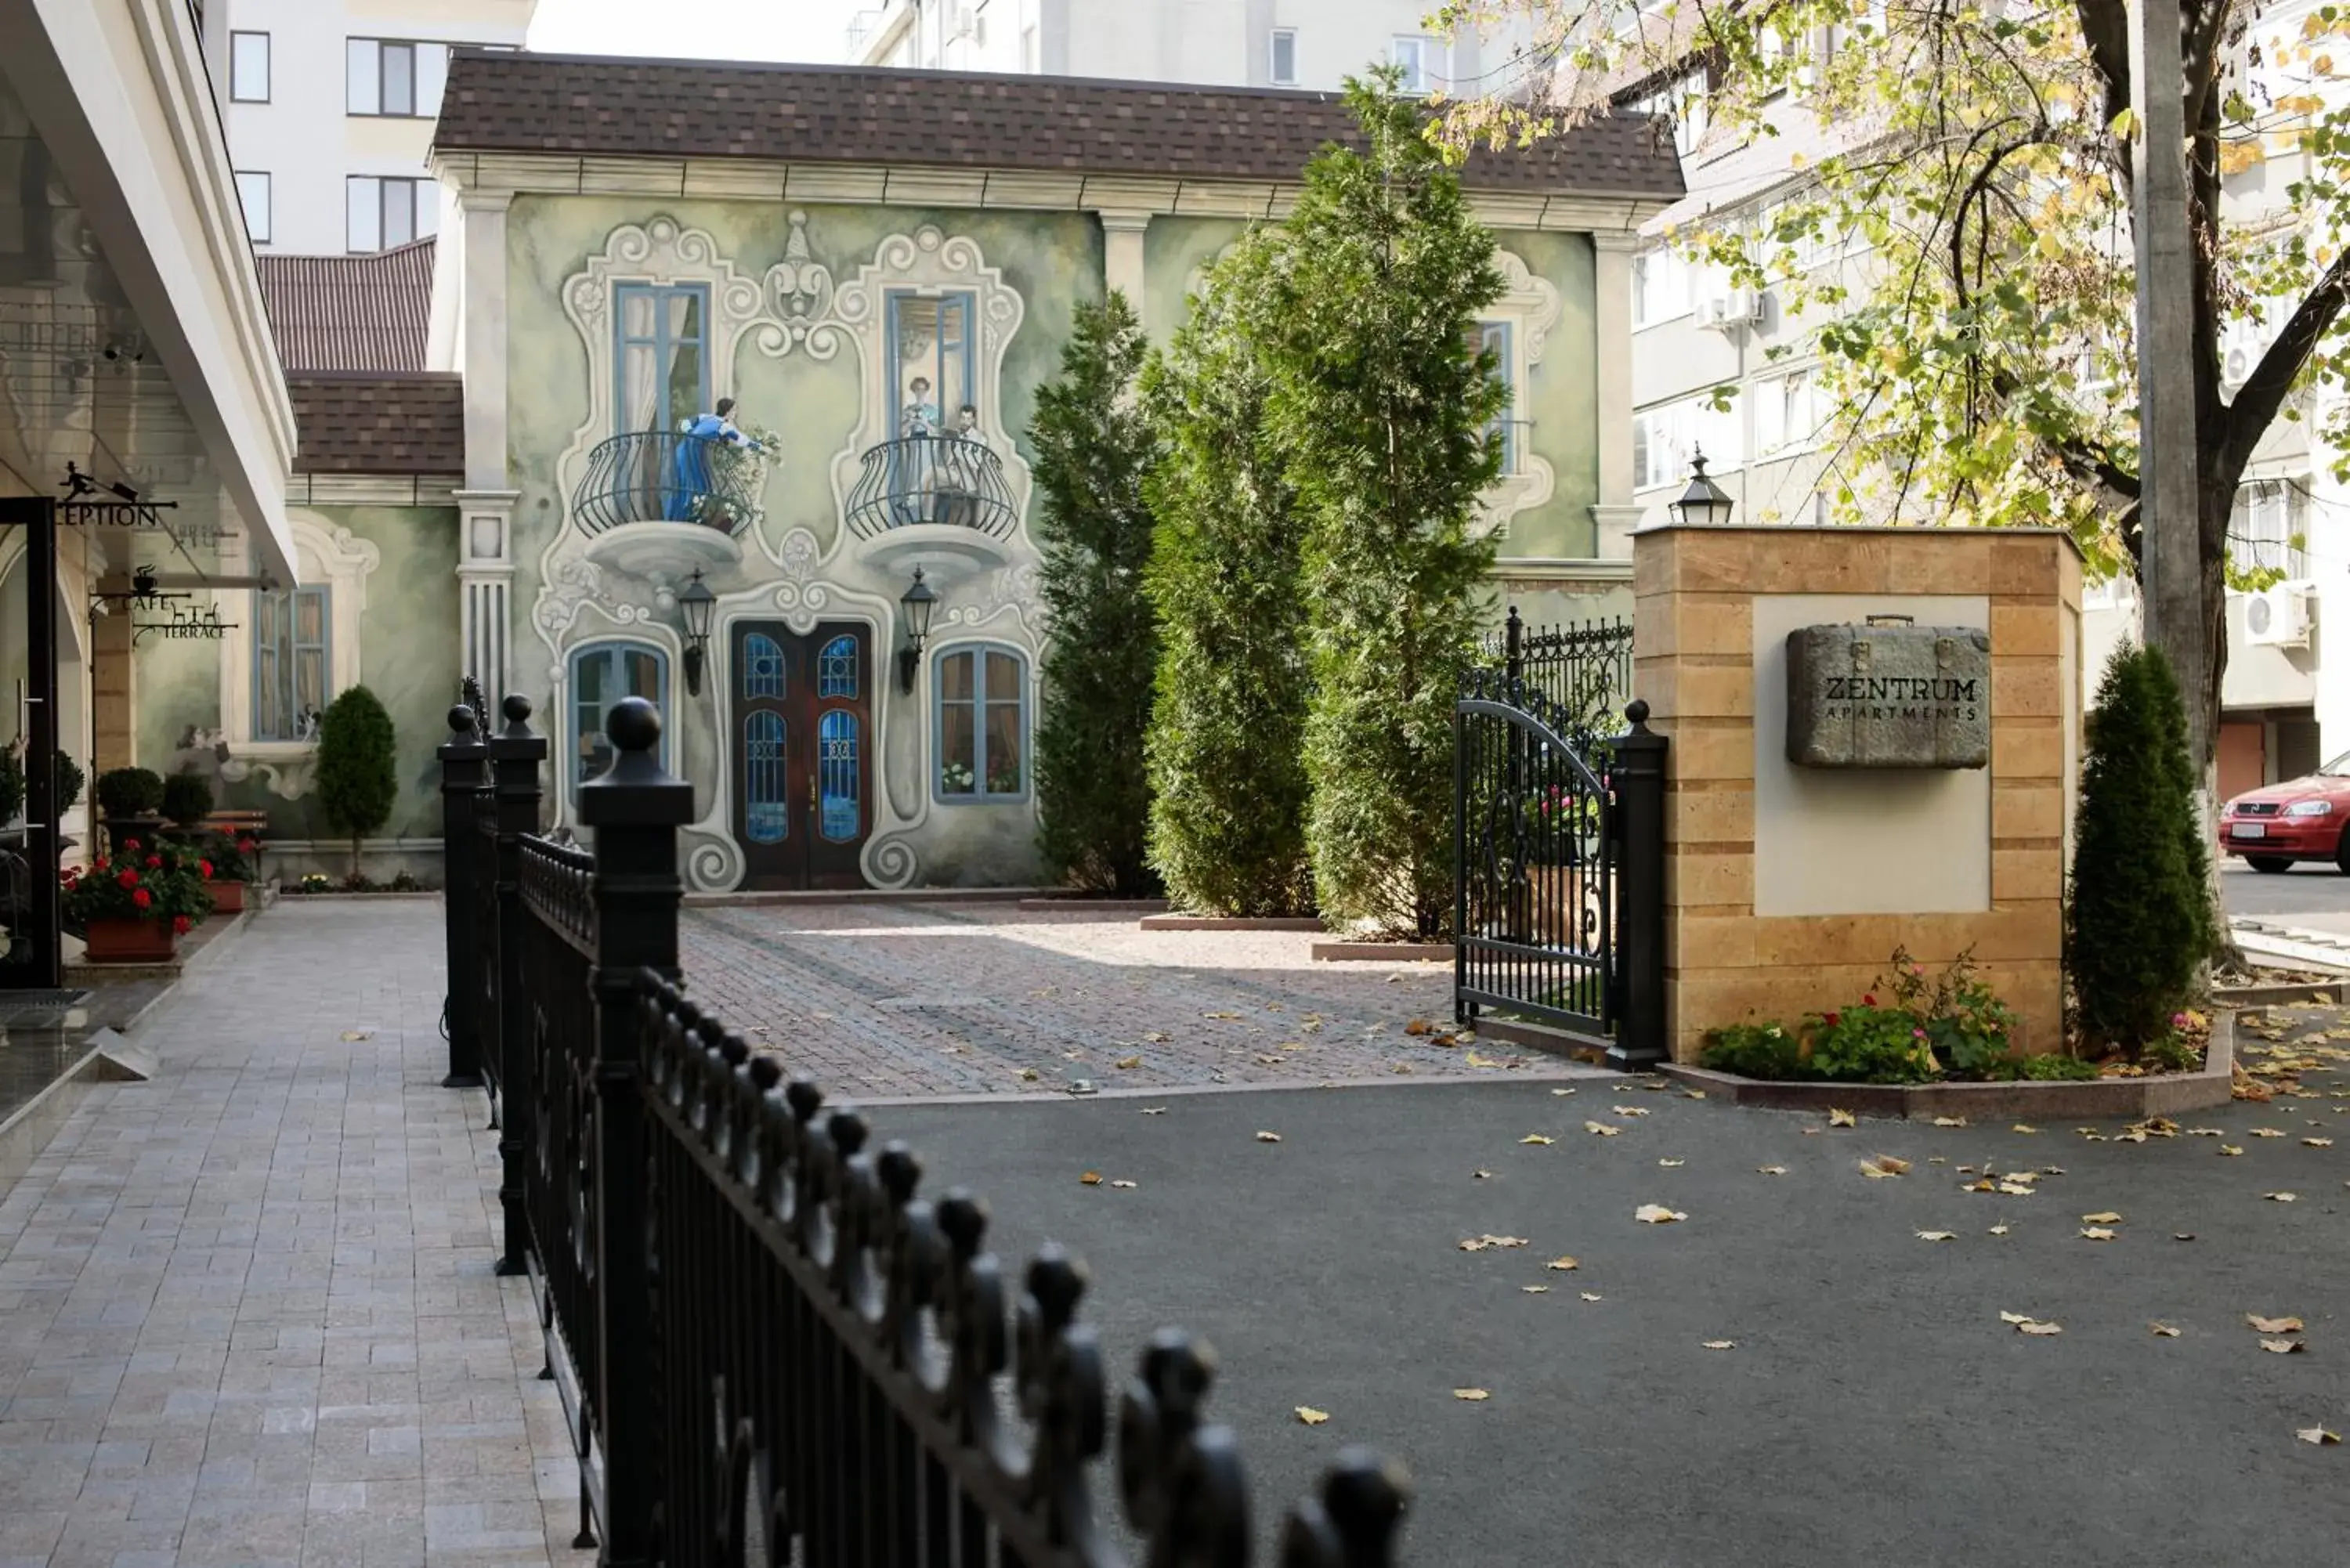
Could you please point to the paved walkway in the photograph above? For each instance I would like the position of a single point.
(889, 999)
(246, 1311)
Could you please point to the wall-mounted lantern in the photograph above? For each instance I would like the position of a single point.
(919, 604)
(1703, 500)
(695, 605)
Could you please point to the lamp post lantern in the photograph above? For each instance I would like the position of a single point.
(920, 602)
(696, 605)
(1703, 500)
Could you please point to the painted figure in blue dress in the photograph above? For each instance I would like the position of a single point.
(693, 463)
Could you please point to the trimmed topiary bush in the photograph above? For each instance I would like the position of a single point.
(70, 783)
(358, 780)
(1227, 769)
(1384, 406)
(1094, 448)
(130, 793)
(2137, 920)
(187, 799)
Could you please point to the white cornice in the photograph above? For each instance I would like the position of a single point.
(1016, 189)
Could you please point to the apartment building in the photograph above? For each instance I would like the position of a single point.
(1232, 43)
(330, 105)
(1695, 335)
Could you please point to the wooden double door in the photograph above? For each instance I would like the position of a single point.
(802, 745)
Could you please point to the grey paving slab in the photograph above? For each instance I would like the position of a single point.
(230, 1296)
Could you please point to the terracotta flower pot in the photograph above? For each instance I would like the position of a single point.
(123, 940)
(228, 897)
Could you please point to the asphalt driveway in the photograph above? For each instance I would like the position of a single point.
(1873, 1407)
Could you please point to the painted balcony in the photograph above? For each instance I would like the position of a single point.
(659, 503)
(924, 496)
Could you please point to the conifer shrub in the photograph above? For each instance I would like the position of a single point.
(358, 780)
(2138, 922)
(1094, 448)
(1384, 406)
(1227, 771)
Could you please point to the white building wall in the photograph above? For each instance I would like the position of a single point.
(304, 138)
(1228, 42)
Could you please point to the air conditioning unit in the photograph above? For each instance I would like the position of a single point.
(1732, 308)
(2279, 616)
(966, 24)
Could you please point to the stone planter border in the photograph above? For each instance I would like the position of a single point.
(1097, 905)
(2133, 1099)
(1231, 923)
(2271, 995)
(1382, 952)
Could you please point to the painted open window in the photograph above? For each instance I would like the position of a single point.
(982, 696)
(291, 634)
(602, 675)
(932, 365)
(663, 359)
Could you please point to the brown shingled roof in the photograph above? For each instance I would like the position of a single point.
(350, 313)
(354, 423)
(596, 106)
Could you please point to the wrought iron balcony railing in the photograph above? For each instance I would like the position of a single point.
(948, 479)
(658, 476)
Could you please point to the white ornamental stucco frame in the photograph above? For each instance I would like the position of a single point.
(326, 554)
(1530, 305)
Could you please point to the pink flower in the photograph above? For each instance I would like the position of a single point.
(141, 897)
(2179, 1021)
(132, 845)
(1916, 1034)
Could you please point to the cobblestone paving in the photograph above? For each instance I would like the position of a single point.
(894, 1000)
(246, 1310)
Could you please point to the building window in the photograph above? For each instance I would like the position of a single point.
(835, 668)
(2264, 533)
(763, 666)
(1498, 337)
(1419, 59)
(1665, 440)
(602, 674)
(396, 79)
(663, 359)
(385, 213)
(1282, 68)
(248, 67)
(1785, 417)
(1660, 286)
(840, 797)
(291, 634)
(252, 195)
(766, 804)
(982, 725)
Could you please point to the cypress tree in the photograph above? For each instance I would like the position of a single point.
(1382, 401)
(2137, 925)
(358, 780)
(1093, 448)
(1227, 772)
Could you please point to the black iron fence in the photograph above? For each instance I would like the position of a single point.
(773, 1348)
(1581, 670)
(1558, 848)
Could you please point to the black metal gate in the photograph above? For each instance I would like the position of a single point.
(1558, 845)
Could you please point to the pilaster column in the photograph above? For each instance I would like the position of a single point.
(1123, 257)
(485, 570)
(1613, 516)
(114, 687)
(485, 339)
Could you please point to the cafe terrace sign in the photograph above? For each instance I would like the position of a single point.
(1888, 694)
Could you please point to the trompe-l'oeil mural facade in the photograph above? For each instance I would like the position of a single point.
(749, 442)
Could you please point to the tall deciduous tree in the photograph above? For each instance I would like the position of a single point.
(1094, 448)
(1981, 363)
(1385, 404)
(1227, 771)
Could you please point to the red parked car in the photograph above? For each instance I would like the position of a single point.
(2302, 819)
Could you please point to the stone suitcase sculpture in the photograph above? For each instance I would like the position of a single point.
(1888, 694)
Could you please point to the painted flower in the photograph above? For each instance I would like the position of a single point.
(181, 924)
(141, 897)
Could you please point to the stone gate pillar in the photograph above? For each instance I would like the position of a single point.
(1788, 884)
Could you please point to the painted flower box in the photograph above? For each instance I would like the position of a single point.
(121, 939)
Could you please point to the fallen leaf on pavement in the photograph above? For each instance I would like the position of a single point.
(1311, 1417)
(2272, 1324)
(2021, 1128)
(1837, 1118)
(2013, 1189)
(2182, 1235)
(1475, 1059)
(1472, 1394)
(1938, 1235)
(1221, 1016)
(2204, 1132)
(1482, 1175)
(1535, 1290)
(1771, 1169)
(2097, 1232)
(1630, 1110)
(1154, 1110)
(359, 1033)
(2279, 1197)
(1692, 1094)
(1561, 1092)
(1720, 1344)
(1656, 1214)
(1126, 1061)
(1417, 1026)
(2265, 1132)
(1949, 1121)
(2162, 1331)
(1562, 1264)
(1882, 1166)
(1592, 1296)
(1999, 1231)
(2104, 1217)
(1484, 1243)
(1156, 1038)
(1602, 1128)
(2281, 1346)
(1268, 1137)
(2228, 1148)
(1672, 1164)
(2025, 1323)
(2319, 1142)
(1538, 1138)
(1091, 1178)
(1027, 1075)
(2318, 1435)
